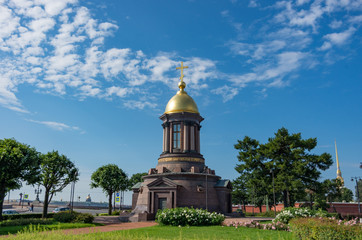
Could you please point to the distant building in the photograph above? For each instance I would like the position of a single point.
(181, 178)
(88, 199)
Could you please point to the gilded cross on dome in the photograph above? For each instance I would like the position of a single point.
(182, 71)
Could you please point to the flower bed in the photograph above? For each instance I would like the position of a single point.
(188, 216)
(289, 213)
(256, 224)
(326, 228)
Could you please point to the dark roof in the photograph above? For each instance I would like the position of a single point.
(222, 183)
(137, 185)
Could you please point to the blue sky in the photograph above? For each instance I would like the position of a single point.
(91, 78)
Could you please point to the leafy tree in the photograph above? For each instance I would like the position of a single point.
(57, 171)
(288, 155)
(239, 192)
(111, 179)
(347, 195)
(136, 178)
(359, 183)
(18, 162)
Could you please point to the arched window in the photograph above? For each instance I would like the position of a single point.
(176, 136)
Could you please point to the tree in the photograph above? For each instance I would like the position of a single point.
(359, 184)
(57, 172)
(288, 155)
(136, 178)
(18, 162)
(239, 193)
(111, 179)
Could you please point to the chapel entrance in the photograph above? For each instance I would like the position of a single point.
(162, 203)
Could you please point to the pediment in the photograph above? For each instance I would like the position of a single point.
(162, 182)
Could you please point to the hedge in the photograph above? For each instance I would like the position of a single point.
(326, 229)
(71, 216)
(188, 216)
(26, 221)
(25, 216)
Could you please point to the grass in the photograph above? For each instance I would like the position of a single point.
(15, 229)
(165, 232)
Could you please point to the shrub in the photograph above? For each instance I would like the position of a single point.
(269, 213)
(103, 214)
(289, 213)
(25, 216)
(188, 216)
(26, 221)
(66, 216)
(116, 213)
(326, 229)
(84, 217)
(256, 224)
(71, 216)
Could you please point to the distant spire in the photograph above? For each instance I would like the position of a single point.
(339, 173)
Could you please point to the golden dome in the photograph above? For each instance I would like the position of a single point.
(181, 102)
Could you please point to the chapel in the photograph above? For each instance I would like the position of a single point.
(181, 178)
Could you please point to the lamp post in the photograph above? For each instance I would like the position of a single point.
(357, 192)
(37, 192)
(275, 208)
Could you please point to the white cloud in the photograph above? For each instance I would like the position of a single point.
(337, 38)
(132, 104)
(335, 24)
(253, 3)
(355, 19)
(226, 92)
(120, 92)
(58, 47)
(55, 125)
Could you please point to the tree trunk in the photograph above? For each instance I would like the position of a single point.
(110, 194)
(2, 197)
(46, 203)
(285, 198)
(261, 208)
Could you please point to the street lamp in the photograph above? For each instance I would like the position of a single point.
(357, 179)
(275, 208)
(37, 192)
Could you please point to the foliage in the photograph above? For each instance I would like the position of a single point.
(288, 157)
(136, 178)
(289, 213)
(84, 218)
(188, 216)
(111, 179)
(239, 192)
(31, 230)
(57, 171)
(165, 232)
(269, 213)
(25, 216)
(26, 221)
(256, 224)
(359, 184)
(72, 216)
(18, 162)
(326, 228)
(65, 216)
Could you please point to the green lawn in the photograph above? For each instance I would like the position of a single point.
(165, 232)
(15, 229)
